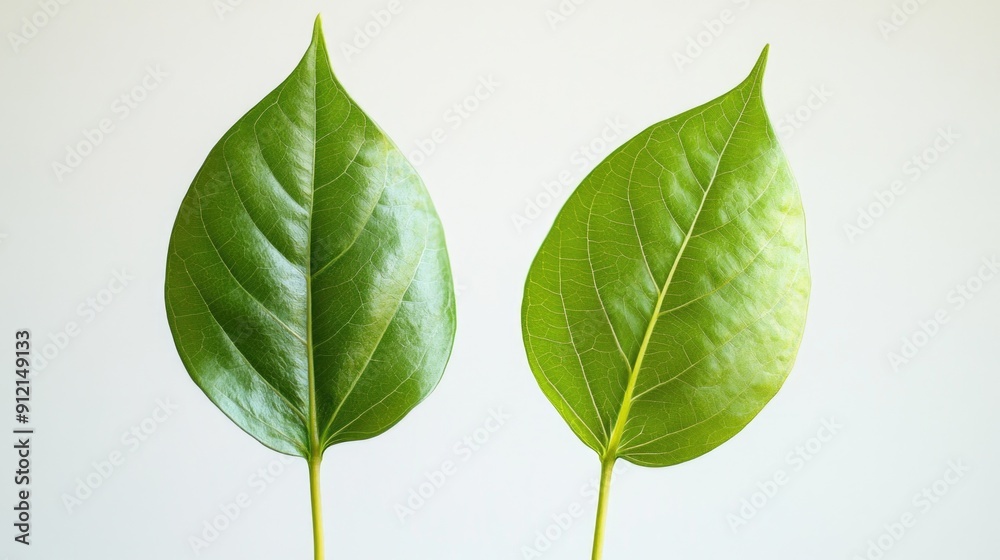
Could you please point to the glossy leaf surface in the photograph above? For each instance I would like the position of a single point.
(666, 305)
(308, 287)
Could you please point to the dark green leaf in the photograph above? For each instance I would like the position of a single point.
(308, 286)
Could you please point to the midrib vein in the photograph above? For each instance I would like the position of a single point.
(614, 442)
(313, 428)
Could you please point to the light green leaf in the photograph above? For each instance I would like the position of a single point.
(666, 306)
(308, 287)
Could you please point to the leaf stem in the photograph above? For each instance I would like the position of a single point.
(607, 467)
(317, 505)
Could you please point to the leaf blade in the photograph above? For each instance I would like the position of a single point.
(305, 238)
(644, 237)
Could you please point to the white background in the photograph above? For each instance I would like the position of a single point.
(64, 237)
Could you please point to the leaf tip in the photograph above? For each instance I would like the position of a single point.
(318, 27)
(757, 74)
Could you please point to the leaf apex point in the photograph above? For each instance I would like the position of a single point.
(757, 74)
(318, 25)
(762, 59)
